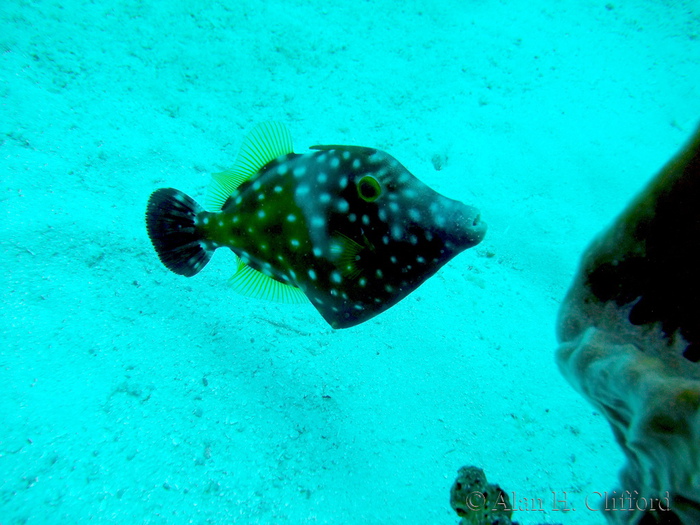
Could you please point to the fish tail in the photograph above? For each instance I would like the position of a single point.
(171, 221)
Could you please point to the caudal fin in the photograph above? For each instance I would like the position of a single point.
(170, 221)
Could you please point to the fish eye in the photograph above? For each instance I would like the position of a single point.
(369, 188)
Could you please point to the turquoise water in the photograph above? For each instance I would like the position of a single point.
(131, 395)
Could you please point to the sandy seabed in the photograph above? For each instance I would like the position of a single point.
(131, 395)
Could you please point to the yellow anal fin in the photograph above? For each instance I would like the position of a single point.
(252, 283)
(264, 143)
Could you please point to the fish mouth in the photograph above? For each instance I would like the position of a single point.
(471, 226)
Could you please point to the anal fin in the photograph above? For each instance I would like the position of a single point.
(252, 283)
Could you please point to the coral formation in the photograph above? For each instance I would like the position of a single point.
(629, 333)
(477, 501)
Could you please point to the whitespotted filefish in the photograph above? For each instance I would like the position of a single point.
(346, 227)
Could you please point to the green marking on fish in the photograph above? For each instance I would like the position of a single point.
(346, 227)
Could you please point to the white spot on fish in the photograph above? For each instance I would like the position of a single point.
(376, 157)
(312, 275)
(389, 288)
(238, 199)
(291, 217)
(352, 217)
(299, 171)
(382, 215)
(321, 178)
(317, 221)
(336, 277)
(365, 220)
(342, 205)
(343, 182)
(256, 185)
(386, 239)
(346, 155)
(335, 162)
(317, 251)
(235, 219)
(221, 223)
(278, 189)
(325, 198)
(414, 214)
(261, 214)
(206, 220)
(356, 164)
(379, 273)
(261, 196)
(413, 239)
(282, 169)
(321, 158)
(362, 282)
(420, 259)
(393, 259)
(294, 242)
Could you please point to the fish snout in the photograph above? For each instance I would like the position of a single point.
(468, 224)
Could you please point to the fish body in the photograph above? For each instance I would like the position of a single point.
(347, 227)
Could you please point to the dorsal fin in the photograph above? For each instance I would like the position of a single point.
(358, 150)
(252, 283)
(264, 143)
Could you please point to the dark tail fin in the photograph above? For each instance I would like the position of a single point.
(170, 221)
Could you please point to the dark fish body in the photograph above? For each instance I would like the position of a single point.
(348, 226)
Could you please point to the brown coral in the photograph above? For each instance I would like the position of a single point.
(629, 333)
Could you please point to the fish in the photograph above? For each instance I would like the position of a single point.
(347, 228)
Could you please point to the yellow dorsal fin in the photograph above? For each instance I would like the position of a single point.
(251, 283)
(265, 142)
